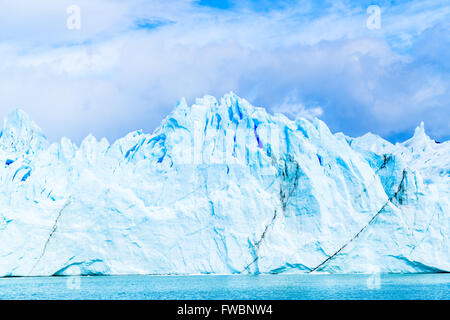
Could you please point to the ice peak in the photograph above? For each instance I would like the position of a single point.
(207, 101)
(229, 100)
(420, 138)
(18, 119)
(208, 111)
(233, 100)
(182, 105)
(372, 142)
(89, 140)
(420, 130)
(419, 134)
(19, 131)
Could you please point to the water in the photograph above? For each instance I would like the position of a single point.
(400, 286)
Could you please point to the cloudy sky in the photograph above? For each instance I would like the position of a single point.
(131, 61)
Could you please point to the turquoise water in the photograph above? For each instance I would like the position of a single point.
(401, 286)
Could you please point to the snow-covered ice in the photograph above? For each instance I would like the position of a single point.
(222, 187)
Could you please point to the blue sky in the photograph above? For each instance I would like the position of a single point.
(131, 61)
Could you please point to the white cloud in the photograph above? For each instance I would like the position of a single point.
(109, 78)
(298, 110)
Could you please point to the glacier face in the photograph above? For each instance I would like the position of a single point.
(222, 187)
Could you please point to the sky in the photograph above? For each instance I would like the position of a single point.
(129, 62)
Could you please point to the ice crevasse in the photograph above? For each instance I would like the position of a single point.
(222, 187)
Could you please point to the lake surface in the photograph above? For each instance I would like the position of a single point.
(389, 286)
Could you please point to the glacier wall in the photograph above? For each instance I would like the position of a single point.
(222, 187)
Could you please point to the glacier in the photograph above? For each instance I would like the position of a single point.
(222, 187)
